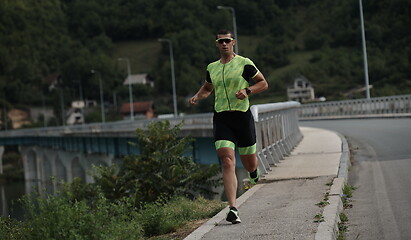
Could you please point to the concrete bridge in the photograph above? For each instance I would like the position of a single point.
(71, 151)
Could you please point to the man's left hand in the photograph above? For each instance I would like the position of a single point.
(241, 94)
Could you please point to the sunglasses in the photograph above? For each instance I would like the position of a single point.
(224, 40)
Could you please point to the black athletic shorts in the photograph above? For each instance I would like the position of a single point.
(235, 128)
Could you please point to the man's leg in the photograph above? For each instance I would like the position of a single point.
(250, 162)
(227, 157)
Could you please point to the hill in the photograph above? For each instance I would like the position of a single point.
(320, 39)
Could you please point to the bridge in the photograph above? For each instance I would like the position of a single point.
(71, 151)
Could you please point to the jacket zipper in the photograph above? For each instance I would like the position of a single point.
(225, 89)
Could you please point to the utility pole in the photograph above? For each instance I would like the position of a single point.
(364, 51)
(103, 117)
(234, 25)
(173, 80)
(130, 89)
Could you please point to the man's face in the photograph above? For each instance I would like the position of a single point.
(225, 44)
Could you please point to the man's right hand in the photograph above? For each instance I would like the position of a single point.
(193, 100)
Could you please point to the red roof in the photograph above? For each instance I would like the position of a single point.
(50, 79)
(137, 107)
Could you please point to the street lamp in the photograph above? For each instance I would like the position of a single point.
(364, 50)
(103, 117)
(172, 72)
(130, 90)
(234, 25)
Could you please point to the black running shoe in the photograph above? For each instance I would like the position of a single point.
(232, 216)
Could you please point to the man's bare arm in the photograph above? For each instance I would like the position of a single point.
(259, 86)
(204, 92)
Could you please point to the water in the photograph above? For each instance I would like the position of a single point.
(9, 195)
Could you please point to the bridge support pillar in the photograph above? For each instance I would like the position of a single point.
(41, 164)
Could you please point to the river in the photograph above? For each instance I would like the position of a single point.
(9, 195)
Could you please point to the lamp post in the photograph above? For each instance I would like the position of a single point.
(130, 90)
(364, 51)
(103, 117)
(234, 25)
(172, 72)
(63, 116)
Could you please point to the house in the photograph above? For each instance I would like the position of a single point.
(75, 114)
(18, 117)
(301, 91)
(54, 80)
(138, 79)
(140, 109)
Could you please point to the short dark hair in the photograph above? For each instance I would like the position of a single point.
(224, 32)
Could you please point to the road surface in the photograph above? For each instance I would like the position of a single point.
(381, 171)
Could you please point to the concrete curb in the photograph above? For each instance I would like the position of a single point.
(207, 226)
(328, 229)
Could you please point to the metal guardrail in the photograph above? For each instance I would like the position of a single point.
(392, 106)
(277, 132)
(113, 129)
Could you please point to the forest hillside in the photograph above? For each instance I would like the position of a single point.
(319, 39)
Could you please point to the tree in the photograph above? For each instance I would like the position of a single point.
(160, 171)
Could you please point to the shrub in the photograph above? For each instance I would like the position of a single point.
(12, 229)
(56, 217)
(160, 171)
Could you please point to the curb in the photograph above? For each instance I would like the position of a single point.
(328, 230)
(212, 222)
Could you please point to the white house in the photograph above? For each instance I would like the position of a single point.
(301, 91)
(138, 79)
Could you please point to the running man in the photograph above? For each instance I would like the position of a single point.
(233, 122)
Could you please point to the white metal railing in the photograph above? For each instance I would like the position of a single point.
(277, 132)
(126, 127)
(391, 106)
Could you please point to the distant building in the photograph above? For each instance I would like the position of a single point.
(75, 114)
(18, 117)
(140, 109)
(44, 113)
(138, 79)
(54, 80)
(301, 91)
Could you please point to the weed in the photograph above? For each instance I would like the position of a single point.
(330, 183)
(343, 218)
(322, 204)
(348, 190)
(319, 218)
(342, 226)
(347, 195)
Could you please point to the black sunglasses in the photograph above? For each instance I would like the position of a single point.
(224, 40)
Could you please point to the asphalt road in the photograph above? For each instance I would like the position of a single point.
(381, 171)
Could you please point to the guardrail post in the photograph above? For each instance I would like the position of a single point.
(277, 132)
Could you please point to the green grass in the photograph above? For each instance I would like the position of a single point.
(143, 55)
(342, 226)
(57, 218)
(247, 45)
(297, 59)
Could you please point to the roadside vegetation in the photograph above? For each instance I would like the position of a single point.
(150, 194)
(346, 199)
